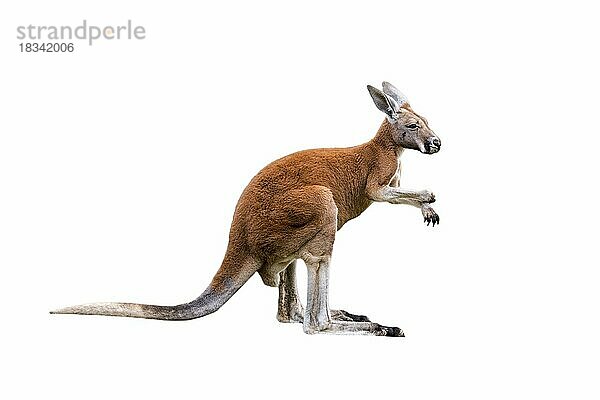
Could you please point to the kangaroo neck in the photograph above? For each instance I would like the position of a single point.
(384, 139)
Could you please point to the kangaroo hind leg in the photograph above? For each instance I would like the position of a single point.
(316, 253)
(317, 317)
(289, 307)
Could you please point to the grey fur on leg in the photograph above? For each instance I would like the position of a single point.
(317, 317)
(289, 308)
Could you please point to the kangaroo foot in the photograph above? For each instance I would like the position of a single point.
(355, 328)
(295, 314)
(341, 315)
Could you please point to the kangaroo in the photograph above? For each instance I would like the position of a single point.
(292, 210)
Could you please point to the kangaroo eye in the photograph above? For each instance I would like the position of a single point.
(412, 126)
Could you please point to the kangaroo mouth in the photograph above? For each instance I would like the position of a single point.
(429, 148)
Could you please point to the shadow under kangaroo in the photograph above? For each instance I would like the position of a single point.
(292, 210)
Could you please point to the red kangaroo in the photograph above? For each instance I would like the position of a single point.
(292, 210)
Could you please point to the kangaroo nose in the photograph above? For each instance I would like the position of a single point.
(436, 142)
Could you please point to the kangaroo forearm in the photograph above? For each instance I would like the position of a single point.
(397, 195)
(410, 202)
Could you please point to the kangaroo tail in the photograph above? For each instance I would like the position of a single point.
(226, 282)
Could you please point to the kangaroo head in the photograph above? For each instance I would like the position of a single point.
(409, 130)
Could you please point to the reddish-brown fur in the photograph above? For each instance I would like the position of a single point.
(276, 213)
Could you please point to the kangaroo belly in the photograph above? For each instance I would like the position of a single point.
(351, 208)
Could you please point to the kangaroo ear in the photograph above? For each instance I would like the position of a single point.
(394, 93)
(384, 103)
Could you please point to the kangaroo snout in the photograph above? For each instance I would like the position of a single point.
(433, 145)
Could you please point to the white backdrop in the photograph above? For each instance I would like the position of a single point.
(121, 163)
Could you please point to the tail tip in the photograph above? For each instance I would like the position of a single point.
(66, 310)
